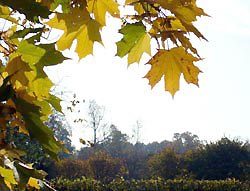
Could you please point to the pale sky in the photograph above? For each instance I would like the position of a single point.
(220, 106)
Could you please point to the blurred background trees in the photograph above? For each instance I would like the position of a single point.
(116, 154)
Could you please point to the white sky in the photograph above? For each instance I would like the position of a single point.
(221, 105)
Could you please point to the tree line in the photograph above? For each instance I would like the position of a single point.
(185, 156)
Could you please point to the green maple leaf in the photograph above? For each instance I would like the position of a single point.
(135, 42)
(36, 128)
(51, 56)
(64, 3)
(55, 102)
(38, 56)
(29, 52)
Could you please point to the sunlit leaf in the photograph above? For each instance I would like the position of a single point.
(29, 52)
(78, 26)
(101, 7)
(5, 13)
(33, 182)
(8, 176)
(25, 172)
(135, 42)
(170, 64)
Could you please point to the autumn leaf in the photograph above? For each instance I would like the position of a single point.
(8, 176)
(143, 45)
(77, 26)
(170, 64)
(101, 7)
(28, 175)
(185, 11)
(33, 182)
(135, 42)
(18, 68)
(5, 13)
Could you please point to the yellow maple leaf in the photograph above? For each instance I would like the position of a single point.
(101, 7)
(8, 176)
(77, 25)
(171, 64)
(143, 45)
(33, 182)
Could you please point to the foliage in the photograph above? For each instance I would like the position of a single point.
(186, 141)
(105, 168)
(70, 169)
(34, 153)
(100, 166)
(25, 98)
(78, 184)
(166, 164)
(86, 184)
(220, 160)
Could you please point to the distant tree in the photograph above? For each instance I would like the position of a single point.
(71, 169)
(220, 160)
(34, 152)
(95, 115)
(156, 147)
(105, 168)
(137, 131)
(185, 141)
(62, 131)
(136, 158)
(166, 164)
(116, 142)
